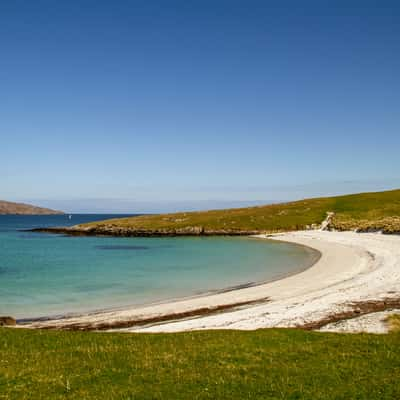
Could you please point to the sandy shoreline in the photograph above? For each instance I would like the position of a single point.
(353, 268)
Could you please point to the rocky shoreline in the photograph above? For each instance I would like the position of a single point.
(131, 232)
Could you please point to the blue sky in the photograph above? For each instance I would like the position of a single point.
(154, 105)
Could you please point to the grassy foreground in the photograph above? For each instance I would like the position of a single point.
(263, 364)
(375, 211)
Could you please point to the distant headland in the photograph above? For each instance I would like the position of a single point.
(7, 207)
(363, 212)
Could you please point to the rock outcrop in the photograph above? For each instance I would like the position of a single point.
(111, 230)
(325, 226)
(7, 321)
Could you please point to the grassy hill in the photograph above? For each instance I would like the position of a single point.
(262, 364)
(7, 207)
(365, 211)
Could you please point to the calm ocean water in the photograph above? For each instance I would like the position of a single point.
(44, 274)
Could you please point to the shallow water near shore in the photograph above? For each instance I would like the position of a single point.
(45, 274)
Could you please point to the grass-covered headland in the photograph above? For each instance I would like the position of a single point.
(262, 364)
(365, 212)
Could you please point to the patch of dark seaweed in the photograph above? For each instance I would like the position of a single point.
(122, 247)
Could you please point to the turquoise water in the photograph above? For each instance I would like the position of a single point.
(44, 274)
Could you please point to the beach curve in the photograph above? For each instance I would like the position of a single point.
(356, 273)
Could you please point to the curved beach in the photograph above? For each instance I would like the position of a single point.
(356, 274)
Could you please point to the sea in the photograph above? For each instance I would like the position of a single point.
(44, 274)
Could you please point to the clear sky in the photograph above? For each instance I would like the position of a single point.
(156, 105)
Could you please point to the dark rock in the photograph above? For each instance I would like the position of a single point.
(110, 230)
(7, 321)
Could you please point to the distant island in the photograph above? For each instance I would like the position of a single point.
(7, 207)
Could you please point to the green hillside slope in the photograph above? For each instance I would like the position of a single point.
(365, 211)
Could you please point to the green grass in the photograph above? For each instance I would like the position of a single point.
(380, 211)
(263, 364)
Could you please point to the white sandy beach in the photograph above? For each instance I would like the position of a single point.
(353, 268)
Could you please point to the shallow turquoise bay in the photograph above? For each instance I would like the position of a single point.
(43, 274)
